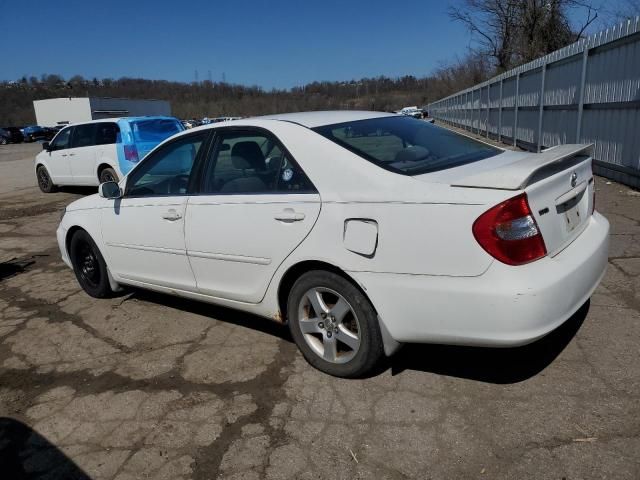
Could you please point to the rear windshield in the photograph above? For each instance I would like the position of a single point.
(406, 145)
(154, 130)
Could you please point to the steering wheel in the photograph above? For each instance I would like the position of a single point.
(179, 184)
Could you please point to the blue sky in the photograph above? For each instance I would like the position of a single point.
(279, 43)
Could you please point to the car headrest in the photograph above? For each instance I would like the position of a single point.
(249, 151)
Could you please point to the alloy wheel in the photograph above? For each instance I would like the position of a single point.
(329, 325)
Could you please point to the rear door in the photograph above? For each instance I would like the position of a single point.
(82, 154)
(254, 208)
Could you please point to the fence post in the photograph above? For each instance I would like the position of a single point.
(515, 111)
(541, 102)
(583, 80)
(486, 125)
(500, 114)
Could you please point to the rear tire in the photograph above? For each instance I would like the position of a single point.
(334, 325)
(89, 265)
(3, 141)
(108, 175)
(44, 180)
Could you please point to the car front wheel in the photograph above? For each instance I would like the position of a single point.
(44, 180)
(89, 265)
(334, 325)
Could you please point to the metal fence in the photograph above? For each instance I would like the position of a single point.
(587, 92)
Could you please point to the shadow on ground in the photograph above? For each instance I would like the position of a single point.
(25, 454)
(491, 365)
(228, 315)
(14, 267)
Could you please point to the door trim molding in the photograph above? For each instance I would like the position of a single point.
(172, 251)
(230, 258)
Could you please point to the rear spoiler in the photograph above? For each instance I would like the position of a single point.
(517, 175)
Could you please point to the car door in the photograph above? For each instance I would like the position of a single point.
(82, 155)
(58, 158)
(254, 207)
(144, 230)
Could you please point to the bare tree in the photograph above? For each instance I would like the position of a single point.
(511, 32)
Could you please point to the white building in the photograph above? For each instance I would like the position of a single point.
(61, 111)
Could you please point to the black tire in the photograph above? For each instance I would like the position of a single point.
(89, 265)
(108, 174)
(370, 350)
(3, 141)
(44, 180)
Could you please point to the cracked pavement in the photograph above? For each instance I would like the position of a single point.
(150, 386)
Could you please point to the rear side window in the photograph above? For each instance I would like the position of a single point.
(252, 163)
(106, 133)
(83, 135)
(154, 129)
(406, 145)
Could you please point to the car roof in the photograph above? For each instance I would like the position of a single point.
(322, 118)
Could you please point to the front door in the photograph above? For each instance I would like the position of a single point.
(254, 208)
(58, 162)
(144, 230)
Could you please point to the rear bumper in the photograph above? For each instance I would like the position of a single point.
(506, 306)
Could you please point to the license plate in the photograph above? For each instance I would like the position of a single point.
(572, 218)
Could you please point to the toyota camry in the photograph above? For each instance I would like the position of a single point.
(360, 230)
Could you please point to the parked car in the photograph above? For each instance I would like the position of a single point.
(401, 232)
(33, 133)
(414, 112)
(10, 135)
(99, 151)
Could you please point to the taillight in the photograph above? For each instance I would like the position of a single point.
(131, 153)
(509, 233)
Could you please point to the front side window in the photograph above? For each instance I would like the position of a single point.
(406, 145)
(166, 171)
(252, 163)
(83, 135)
(62, 140)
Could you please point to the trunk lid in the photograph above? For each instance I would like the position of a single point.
(558, 183)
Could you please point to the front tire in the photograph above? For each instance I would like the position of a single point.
(44, 180)
(89, 265)
(108, 175)
(334, 325)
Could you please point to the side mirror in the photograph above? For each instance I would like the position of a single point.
(110, 190)
(45, 146)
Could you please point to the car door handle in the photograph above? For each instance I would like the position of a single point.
(288, 215)
(171, 215)
(72, 154)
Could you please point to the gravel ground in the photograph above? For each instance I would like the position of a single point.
(148, 386)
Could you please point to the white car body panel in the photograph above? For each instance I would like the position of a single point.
(406, 241)
(235, 243)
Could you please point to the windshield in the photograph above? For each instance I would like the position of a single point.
(154, 130)
(406, 145)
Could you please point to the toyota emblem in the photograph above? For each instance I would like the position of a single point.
(574, 179)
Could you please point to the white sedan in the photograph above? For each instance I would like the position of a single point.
(361, 230)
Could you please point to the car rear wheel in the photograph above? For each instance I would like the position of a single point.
(89, 265)
(108, 175)
(334, 325)
(3, 141)
(44, 180)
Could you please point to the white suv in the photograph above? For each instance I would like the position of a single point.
(100, 151)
